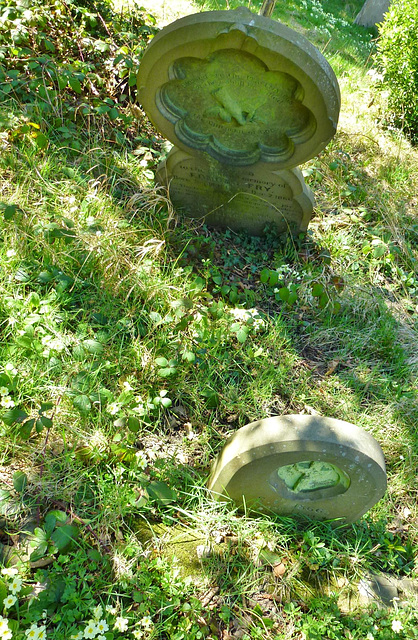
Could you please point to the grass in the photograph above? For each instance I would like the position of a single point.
(132, 342)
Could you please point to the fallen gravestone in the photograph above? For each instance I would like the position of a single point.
(311, 466)
(244, 100)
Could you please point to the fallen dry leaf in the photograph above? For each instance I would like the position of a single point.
(332, 366)
(279, 569)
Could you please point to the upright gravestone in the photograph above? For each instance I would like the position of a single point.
(244, 100)
(292, 465)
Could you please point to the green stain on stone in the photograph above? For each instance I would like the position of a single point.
(307, 476)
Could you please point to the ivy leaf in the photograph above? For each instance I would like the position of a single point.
(189, 356)
(242, 334)
(133, 424)
(39, 552)
(74, 84)
(93, 346)
(323, 300)
(82, 403)
(283, 294)
(161, 492)
(63, 536)
(212, 398)
(20, 480)
(317, 290)
(293, 296)
(264, 275)
(273, 279)
(9, 211)
(14, 415)
(26, 429)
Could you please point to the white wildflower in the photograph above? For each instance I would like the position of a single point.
(15, 585)
(10, 571)
(102, 626)
(113, 408)
(97, 612)
(146, 623)
(42, 632)
(141, 459)
(4, 628)
(4, 391)
(9, 602)
(7, 402)
(33, 632)
(397, 626)
(10, 369)
(90, 631)
(121, 624)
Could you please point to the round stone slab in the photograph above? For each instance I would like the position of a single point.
(234, 197)
(240, 87)
(293, 465)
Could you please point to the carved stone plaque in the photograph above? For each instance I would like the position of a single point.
(293, 465)
(240, 87)
(234, 197)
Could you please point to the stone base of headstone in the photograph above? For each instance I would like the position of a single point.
(299, 465)
(240, 198)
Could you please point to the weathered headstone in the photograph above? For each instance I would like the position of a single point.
(311, 466)
(372, 12)
(240, 94)
(237, 197)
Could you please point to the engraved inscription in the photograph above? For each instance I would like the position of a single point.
(231, 106)
(254, 202)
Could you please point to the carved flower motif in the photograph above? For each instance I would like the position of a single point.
(231, 106)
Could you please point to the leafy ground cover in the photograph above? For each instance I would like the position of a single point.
(132, 342)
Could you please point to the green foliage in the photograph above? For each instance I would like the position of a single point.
(60, 72)
(131, 347)
(397, 56)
